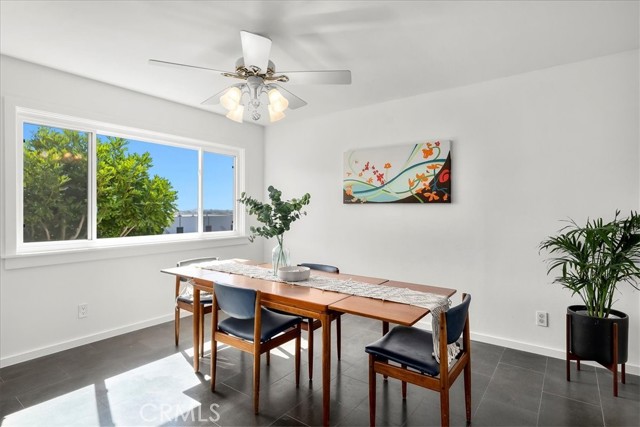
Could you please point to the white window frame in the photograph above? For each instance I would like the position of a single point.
(12, 198)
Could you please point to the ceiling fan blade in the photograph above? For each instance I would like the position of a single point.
(294, 101)
(176, 64)
(331, 77)
(255, 50)
(215, 99)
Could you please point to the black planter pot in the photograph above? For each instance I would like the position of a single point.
(591, 338)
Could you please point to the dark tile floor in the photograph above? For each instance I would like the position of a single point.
(142, 379)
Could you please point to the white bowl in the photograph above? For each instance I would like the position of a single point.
(294, 273)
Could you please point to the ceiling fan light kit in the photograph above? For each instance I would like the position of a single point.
(236, 114)
(254, 89)
(262, 84)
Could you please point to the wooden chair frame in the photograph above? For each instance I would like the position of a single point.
(182, 305)
(256, 348)
(442, 383)
(188, 306)
(311, 325)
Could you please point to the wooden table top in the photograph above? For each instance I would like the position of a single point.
(317, 299)
(293, 295)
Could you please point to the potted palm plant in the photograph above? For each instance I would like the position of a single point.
(276, 218)
(591, 261)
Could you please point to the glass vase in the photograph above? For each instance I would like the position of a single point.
(280, 258)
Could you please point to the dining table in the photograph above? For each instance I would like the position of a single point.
(309, 302)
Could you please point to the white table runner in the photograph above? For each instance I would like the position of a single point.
(433, 302)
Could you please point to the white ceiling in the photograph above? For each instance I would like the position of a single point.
(394, 49)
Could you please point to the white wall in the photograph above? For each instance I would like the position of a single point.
(528, 151)
(124, 287)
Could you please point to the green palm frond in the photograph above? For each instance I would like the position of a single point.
(591, 260)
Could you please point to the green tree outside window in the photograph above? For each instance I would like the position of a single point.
(129, 201)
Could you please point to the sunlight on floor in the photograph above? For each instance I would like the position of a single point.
(78, 407)
(151, 394)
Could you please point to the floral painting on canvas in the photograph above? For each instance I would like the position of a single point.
(416, 173)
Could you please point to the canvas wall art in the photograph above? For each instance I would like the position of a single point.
(415, 173)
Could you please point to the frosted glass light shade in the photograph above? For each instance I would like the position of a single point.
(231, 98)
(278, 102)
(274, 116)
(236, 114)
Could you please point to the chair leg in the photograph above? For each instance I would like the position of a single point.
(467, 391)
(623, 376)
(214, 359)
(256, 381)
(298, 339)
(372, 392)
(444, 407)
(339, 337)
(201, 326)
(404, 386)
(268, 357)
(176, 323)
(310, 348)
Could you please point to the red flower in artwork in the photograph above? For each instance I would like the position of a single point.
(437, 143)
(444, 175)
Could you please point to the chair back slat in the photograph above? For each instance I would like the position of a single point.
(456, 317)
(236, 302)
(320, 267)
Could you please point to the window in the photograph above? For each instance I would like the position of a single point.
(55, 165)
(84, 183)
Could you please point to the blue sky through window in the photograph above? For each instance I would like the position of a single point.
(180, 167)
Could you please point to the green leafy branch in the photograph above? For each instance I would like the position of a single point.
(276, 216)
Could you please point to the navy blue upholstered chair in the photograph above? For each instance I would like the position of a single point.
(184, 301)
(311, 325)
(250, 328)
(406, 354)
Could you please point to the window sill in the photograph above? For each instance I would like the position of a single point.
(40, 259)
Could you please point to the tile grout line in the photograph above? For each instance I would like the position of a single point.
(573, 400)
(527, 369)
(544, 378)
(604, 423)
(20, 402)
(489, 383)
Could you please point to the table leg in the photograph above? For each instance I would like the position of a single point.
(326, 367)
(385, 328)
(196, 329)
(385, 331)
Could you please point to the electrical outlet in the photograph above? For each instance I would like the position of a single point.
(542, 318)
(83, 310)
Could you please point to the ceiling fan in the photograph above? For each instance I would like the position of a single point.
(260, 80)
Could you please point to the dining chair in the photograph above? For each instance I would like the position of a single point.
(412, 349)
(250, 328)
(309, 324)
(184, 301)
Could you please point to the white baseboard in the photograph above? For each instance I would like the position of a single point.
(531, 348)
(44, 351)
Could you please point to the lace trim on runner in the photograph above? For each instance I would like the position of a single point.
(434, 303)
